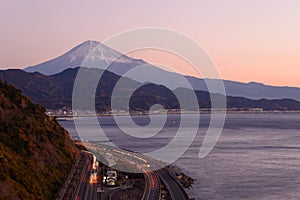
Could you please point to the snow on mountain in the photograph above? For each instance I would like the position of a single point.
(101, 55)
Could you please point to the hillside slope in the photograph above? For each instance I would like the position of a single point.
(55, 92)
(35, 151)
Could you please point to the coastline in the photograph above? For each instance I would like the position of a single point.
(70, 117)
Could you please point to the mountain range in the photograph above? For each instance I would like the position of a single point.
(51, 84)
(55, 92)
(101, 55)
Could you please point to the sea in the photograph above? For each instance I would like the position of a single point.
(257, 155)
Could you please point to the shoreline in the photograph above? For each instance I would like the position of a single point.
(72, 117)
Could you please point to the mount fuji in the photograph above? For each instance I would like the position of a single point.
(96, 52)
(100, 55)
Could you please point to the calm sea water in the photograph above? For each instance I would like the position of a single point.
(256, 157)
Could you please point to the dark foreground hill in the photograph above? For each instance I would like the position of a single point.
(35, 151)
(55, 92)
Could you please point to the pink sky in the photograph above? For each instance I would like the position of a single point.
(249, 40)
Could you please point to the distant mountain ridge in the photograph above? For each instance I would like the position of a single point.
(251, 90)
(102, 55)
(55, 92)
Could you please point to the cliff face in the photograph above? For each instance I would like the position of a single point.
(35, 151)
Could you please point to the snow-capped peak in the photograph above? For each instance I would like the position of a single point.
(94, 51)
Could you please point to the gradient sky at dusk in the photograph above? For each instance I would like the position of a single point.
(249, 40)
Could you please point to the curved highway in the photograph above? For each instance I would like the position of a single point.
(152, 186)
(152, 182)
(152, 178)
(175, 189)
(83, 189)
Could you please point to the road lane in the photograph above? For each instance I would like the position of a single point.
(152, 180)
(146, 165)
(175, 189)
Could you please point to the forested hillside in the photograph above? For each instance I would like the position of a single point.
(35, 151)
(55, 92)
